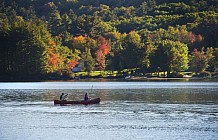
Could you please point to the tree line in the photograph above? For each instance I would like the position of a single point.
(41, 39)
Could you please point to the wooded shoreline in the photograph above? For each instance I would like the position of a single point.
(123, 79)
(49, 39)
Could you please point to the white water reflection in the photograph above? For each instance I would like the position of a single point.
(106, 85)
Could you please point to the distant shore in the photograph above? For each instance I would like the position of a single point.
(132, 78)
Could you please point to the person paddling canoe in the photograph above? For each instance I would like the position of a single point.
(63, 96)
(86, 97)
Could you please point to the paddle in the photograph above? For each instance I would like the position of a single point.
(90, 92)
(91, 88)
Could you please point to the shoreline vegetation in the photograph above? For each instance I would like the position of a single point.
(108, 39)
(97, 76)
(136, 79)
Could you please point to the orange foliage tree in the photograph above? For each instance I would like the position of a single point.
(54, 59)
(72, 63)
(103, 45)
(102, 51)
(59, 58)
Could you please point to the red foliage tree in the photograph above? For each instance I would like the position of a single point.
(103, 45)
(198, 62)
(103, 50)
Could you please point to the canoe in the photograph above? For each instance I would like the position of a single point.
(65, 102)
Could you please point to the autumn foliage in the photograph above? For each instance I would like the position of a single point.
(103, 50)
(79, 41)
(54, 59)
(103, 45)
(51, 43)
(198, 62)
(72, 63)
(177, 34)
(59, 58)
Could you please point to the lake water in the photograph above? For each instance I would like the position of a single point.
(128, 111)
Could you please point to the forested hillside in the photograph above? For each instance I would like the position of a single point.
(47, 38)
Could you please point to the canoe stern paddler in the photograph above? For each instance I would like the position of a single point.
(63, 96)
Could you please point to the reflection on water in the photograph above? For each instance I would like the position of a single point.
(107, 85)
(182, 112)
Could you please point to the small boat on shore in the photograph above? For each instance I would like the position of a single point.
(65, 102)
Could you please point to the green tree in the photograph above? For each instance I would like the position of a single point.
(88, 63)
(101, 29)
(132, 50)
(55, 22)
(115, 57)
(73, 26)
(85, 23)
(22, 47)
(66, 23)
(29, 51)
(105, 12)
(210, 58)
(100, 60)
(215, 59)
(170, 56)
(143, 9)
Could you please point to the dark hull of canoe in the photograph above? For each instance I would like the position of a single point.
(93, 101)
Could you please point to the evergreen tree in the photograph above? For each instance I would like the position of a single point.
(88, 63)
